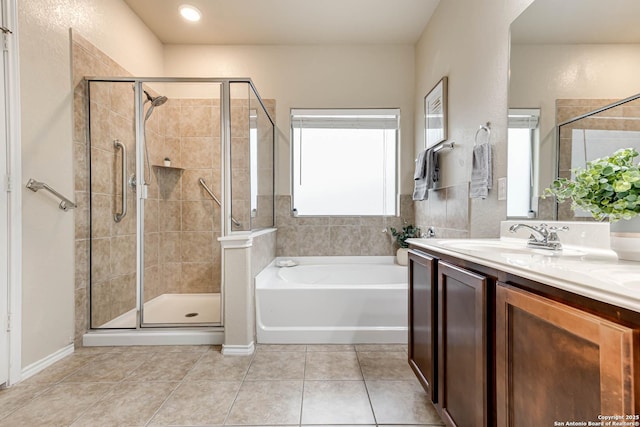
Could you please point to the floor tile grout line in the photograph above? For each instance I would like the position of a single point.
(113, 388)
(244, 377)
(304, 383)
(176, 388)
(48, 386)
(364, 380)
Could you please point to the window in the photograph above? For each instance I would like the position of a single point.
(344, 161)
(523, 137)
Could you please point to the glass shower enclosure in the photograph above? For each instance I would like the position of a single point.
(174, 164)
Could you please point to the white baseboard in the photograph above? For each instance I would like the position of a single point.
(238, 350)
(45, 362)
(176, 337)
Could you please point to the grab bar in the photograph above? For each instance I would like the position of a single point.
(65, 203)
(213, 196)
(117, 217)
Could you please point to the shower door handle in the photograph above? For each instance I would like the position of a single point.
(118, 216)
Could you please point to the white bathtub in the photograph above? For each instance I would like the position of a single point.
(332, 300)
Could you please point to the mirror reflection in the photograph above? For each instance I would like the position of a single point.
(564, 65)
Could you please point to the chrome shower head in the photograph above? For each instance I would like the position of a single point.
(157, 100)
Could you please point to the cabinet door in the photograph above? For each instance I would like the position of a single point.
(555, 363)
(422, 320)
(462, 362)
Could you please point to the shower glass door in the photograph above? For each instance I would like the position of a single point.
(155, 173)
(112, 162)
(181, 220)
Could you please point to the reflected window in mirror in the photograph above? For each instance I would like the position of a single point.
(253, 160)
(523, 137)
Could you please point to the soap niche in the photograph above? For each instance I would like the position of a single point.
(169, 181)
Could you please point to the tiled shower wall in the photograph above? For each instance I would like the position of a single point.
(114, 244)
(337, 235)
(182, 223)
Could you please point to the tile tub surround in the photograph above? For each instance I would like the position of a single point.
(363, 385)
(447, 210)
(337, 235)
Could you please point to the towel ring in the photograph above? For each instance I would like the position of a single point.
(486, 128)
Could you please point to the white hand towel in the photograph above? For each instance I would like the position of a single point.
(481, 171)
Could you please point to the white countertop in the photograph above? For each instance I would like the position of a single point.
(592, 272)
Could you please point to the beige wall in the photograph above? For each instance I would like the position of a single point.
(312, 77)
(47, 102)
(468, 41)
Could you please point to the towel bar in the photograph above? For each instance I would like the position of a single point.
(65, 204)
(442, 146)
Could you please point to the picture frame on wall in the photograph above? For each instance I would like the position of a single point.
(435, 114)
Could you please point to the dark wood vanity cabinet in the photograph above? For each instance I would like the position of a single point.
(462, 346)
(448, 337)
(495, 349)
(422, 318)
(555, 363)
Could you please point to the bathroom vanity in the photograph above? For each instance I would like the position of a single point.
(504, 335)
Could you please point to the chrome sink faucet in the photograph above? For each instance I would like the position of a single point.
(542, 236)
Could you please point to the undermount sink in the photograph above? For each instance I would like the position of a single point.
(627, 277)
(505, 247)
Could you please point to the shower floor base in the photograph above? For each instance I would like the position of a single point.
(170, 309)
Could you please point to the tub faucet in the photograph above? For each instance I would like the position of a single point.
(430, 234)
(542, 236)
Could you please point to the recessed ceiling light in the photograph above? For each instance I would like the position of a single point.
(190, 13)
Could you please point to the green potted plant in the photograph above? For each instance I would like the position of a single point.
(409, 231)
(608, 188)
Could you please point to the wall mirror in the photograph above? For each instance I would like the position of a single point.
(567, 59)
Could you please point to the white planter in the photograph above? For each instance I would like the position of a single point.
(625, 238)
(402, 256)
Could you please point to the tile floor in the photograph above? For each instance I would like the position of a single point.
(280, 385)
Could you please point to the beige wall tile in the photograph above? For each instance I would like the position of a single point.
(197, 215)
(196, 152)
(151, 216)
(345, 239)
(101, 215)
(197, 277)
(170, 215)
(171, 277)
(197, 246)
(100, 260)
(101, 171)
(196, 121)
(151, 249)
(123, 254)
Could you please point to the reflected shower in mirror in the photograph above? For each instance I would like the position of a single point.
(594, 135)
(567, 59)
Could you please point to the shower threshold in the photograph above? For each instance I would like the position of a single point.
(167, 309)
(173, 309)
